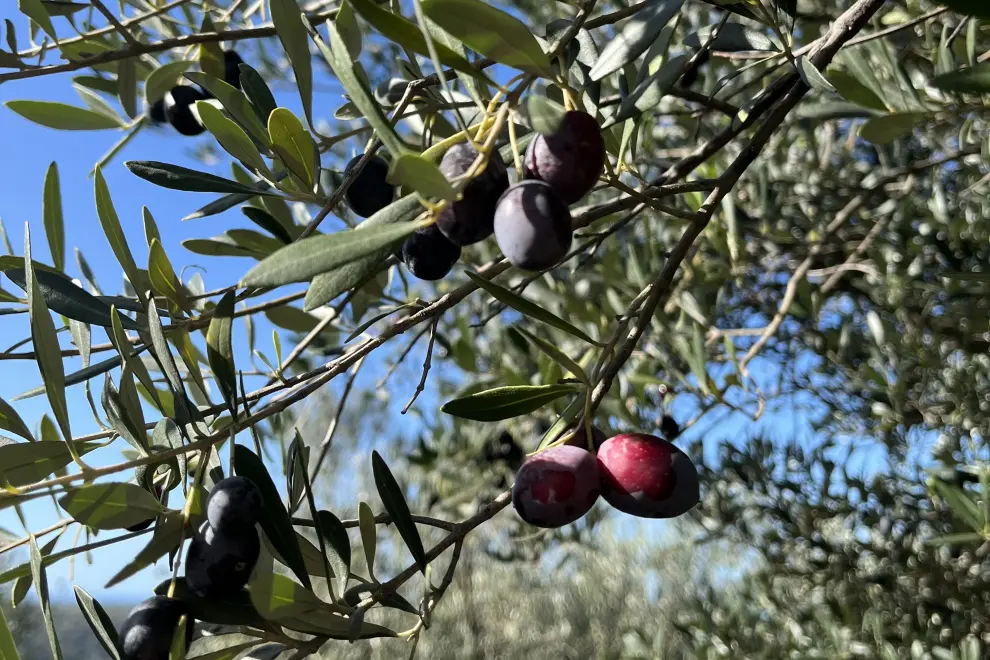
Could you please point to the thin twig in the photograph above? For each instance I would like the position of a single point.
(426, 366)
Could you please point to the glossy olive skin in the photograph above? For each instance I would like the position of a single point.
(532, 226)
(556, 486)
(471, 218)
(231, 72)
(647, 477)
(428, 254)
(147, 632)
(156, 112)
(234, 505)
(370, 192)
(571, 159)
(178, 109)
(219, 565)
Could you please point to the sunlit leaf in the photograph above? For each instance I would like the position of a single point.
(505, 402)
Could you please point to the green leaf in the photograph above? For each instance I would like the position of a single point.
(408, 35)
(545, 116)
(166, 538)
(335, 626)
(162, 276)
(491, 32)
(220, 205)
(120, 417)
(275, 522)
(235, 103)
(110, 505)
(62, 296)
(328, 286)
(62, 116)
(505, 402)
(62, 7)
(99, 621)
(26, 463)
(732, 37)
(46, 348)
(636, 35)
(51, 210)
(350, 31)
(8, 650)
(11, 421)
(256, 90)
(210, 54)
(177, 649)
(276, 597)
(162, 79)
(303, 260)
(646, 96)
(343, 68)
(398, 509)
(978, 8)
(291, 318)
(288, 22)
(176, 177)
(266, 221)
(35, 10)
(887, 128)
(338, 547)
(221, 647)
(422, 175)
(531, 309)
(294, 145)
(167, 365)
(219, 350)
(231, 137)
(115, 233)
(369, 535)
(812, 77)
(852, 90)
(41, 588)
(971, 80)
(555, 354)
(127, 86)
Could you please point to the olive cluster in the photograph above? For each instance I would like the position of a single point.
(530, 219)
(636, 473)
(221, 556)
(175, 108)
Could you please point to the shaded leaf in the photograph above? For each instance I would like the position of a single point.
(369, 535)
(26, 463)
(8, 650)
(646, 96)
(395, 503)
(11, 421)
(977, 8)
(887, 128)
(219, 350)
(277, 596)
(529, 308)
(62, 296)
(99, 621)
(732, 37)
(115, 233)
(257, 92)
(110, 505)
(231, 137)
(422, 175)
(545, 116)
(275, 521)
(266, 221)
(555, 354)
(338, 547)
(176, 177)
(636, 35)
(971, 80)
(162, 79)
(51, 210)
(505, 402)
(166, 538)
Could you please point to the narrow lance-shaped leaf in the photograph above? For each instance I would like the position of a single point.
(62, 116)
(35, 10)
(11, 421)
(257, 92)
(232, 138)
(62, 296)
(99, 621)
(555, 354)
(115, 233)
(398, 509)
(219, 351)
(51, 210)
(41, 588)
(294, 145)
(275, 521)
(288, 20)
(8, 650)
(300, 460)
(338, 547)
(23, 463)
(491, 32)
(343, 68)
(163, 279)
(175, 177)
(110, 505)
(166, 362)
(636, 35)
(531, 309)
(369, 535)
(505, 402)
(305, 259)
(47, 351)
